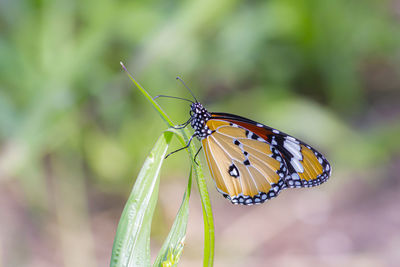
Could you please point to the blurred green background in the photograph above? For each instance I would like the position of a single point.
(74, 131)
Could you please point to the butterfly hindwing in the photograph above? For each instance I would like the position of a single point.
(245, 170)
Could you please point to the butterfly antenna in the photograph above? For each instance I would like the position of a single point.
(168, 96)
(184, 84)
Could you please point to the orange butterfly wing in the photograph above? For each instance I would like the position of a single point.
(245, 171)
(311, 167)
(251, 162)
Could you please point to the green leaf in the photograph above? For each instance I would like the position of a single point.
(132, 241)
(208, 220)
(208, 257)
(172, 248)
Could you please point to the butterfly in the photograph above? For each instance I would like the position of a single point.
(251, 162)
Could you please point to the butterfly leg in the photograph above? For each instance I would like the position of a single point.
(183, 125)
(195, 156)
(187, 145)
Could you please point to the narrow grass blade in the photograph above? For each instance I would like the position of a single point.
(208, 220)
(159, 110)
(132, 240)
(172, 248)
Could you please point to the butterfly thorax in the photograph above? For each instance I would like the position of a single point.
(200, 116)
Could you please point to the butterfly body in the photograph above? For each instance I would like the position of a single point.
(251, 162)
(200, 116)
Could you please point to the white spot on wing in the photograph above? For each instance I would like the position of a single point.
(273, 142)
(297, 165)
(295, 176)
(293, 148)
(292, 139)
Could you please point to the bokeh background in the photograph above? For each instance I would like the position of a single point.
(74, 131)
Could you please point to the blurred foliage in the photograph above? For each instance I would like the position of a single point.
(71, 123)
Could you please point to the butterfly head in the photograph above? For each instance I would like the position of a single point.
(199, 117)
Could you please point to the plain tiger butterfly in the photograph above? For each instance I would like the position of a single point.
(249, 161)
